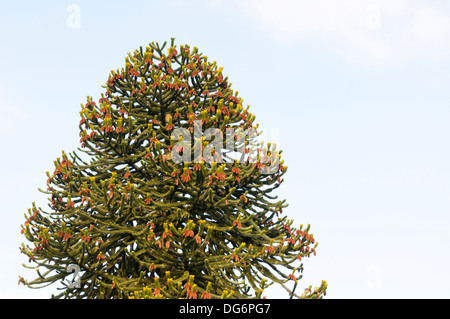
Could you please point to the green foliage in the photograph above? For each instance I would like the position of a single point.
(139, 225)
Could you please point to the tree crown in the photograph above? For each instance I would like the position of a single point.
(163, 207)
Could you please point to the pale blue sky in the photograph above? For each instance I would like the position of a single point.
(358, 91)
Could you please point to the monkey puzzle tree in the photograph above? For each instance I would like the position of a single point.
(161, 209)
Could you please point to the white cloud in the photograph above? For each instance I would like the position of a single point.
(380, 31)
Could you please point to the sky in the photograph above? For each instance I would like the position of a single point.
(355, 93)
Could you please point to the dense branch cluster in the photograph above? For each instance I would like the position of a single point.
(138, 224)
